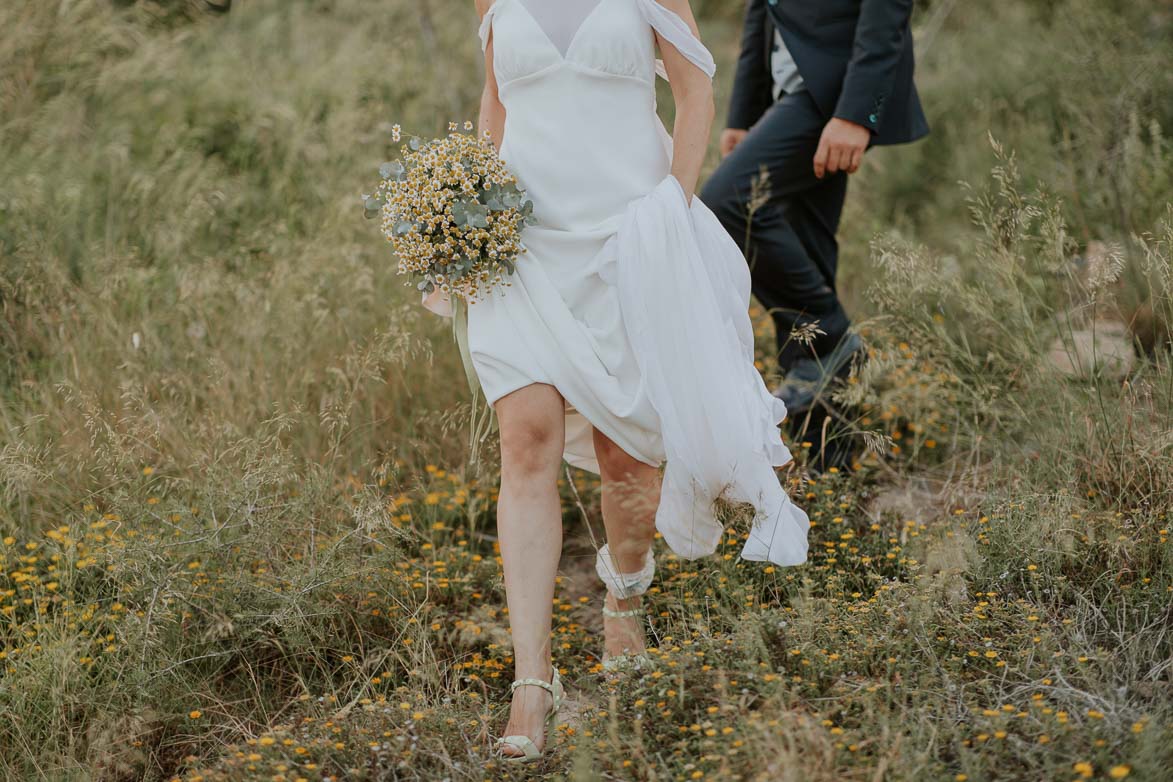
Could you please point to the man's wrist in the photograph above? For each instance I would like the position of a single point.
(855, 123)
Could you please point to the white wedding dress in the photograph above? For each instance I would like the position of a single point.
(630, 301)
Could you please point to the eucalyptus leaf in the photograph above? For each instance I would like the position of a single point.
(403, 227)
(393, 170)
(460, 213)
(491, 197)
(470, 213)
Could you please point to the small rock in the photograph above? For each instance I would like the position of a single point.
(907, 503)
(1105, 348)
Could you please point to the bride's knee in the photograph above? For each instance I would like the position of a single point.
(614, 462)
(530, 448)
(533, 431)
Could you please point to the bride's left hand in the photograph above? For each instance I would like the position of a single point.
(687, 192)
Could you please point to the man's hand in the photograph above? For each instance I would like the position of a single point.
(730, 138)
(841, 147)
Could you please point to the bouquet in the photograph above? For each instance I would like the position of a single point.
(453, 213)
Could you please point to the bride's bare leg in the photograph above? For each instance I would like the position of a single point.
(631, 494)
(529, 527)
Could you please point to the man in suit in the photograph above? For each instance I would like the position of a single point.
(818, 83)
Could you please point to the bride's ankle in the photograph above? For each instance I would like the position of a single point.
(623, 604)
(530, 701)
(541, 670)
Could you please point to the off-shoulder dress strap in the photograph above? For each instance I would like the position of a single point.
(674, 30)
(487, 24)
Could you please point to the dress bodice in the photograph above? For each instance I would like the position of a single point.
(615, 38)
(612, 40)
(582, 119)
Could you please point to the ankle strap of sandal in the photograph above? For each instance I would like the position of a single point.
(621, 614)
(535, 682)
(550, 686)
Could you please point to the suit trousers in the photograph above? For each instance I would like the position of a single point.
(789, 241)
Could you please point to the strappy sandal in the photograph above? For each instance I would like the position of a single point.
(623, 663)
(624, 586)
(525, 743)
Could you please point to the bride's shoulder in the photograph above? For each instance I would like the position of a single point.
(483, 6)
(681, 8)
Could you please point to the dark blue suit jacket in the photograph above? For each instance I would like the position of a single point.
(854, 55)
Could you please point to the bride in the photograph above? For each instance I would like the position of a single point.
(623, 341)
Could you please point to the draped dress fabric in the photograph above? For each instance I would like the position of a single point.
(631, 301)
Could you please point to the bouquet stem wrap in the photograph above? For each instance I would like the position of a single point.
(482, 419)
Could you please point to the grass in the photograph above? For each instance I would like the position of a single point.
(239, 539)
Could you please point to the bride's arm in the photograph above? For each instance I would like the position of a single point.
(692, 91)
(492, 116)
